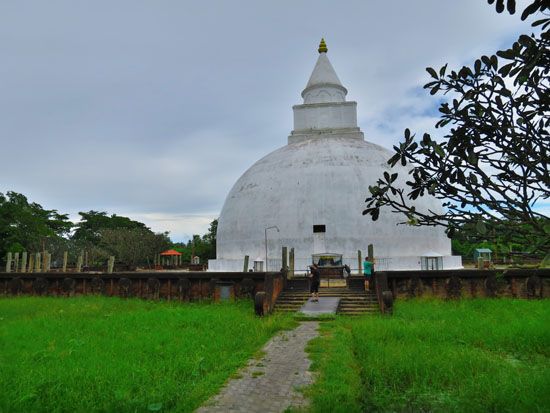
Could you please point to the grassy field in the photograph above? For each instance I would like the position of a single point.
(106, 354)
(432, 355)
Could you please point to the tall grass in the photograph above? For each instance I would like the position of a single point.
(463, 356)
(94, 354)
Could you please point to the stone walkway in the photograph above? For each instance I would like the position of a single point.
(324, 305)
(271, 383)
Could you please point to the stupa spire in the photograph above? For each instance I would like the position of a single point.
(325, 111)
(323, 46)
(323, 73)
(324, 85)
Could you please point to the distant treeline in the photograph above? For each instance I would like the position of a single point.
(467, 239)
(27, 226)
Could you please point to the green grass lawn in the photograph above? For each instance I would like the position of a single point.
(92, 354)
(432, 355)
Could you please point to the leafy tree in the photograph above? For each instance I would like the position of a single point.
(131, 242)
(28, 226)
(94, 255)
(466, 239)
(133, 246)
(203, 247)
(491, 167)
(92, 222)
(210, 239)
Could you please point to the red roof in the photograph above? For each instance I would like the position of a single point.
(170, 252)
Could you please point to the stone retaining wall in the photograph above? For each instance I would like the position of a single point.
(152, 285)
(454, 284)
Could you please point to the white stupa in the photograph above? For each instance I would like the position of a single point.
(310, 194)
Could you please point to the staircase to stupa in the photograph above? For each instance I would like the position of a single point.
(352, 302)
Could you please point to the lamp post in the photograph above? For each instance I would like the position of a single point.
(265, 232)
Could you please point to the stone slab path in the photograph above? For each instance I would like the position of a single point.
(325, 305)
(272, 383)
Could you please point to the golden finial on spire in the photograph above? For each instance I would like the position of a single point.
(323, 46)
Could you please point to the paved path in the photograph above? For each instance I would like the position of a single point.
(325, 305)
(272, 383)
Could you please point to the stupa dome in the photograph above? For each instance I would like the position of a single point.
(310, 194)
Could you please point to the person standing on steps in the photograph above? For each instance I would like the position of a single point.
(315, 278)
(368, 269)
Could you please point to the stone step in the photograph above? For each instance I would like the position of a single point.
(359, 297)
(356, 313)
(295, 302)
(338, 290)
(324, 290)
(359, 306)
(353, 306)
(290, 301)
(289, 305)
(294, 297)
(325, 295)
(352, 302)
(358, 302)
(330, 290)
(350, 299)
(345, 299)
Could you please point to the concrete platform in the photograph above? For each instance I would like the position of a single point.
(325, 305)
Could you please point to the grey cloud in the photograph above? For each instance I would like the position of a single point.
(153, 108)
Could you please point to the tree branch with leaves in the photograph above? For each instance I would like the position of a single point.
(490, 168)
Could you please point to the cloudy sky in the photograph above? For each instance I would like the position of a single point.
(153, 109)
